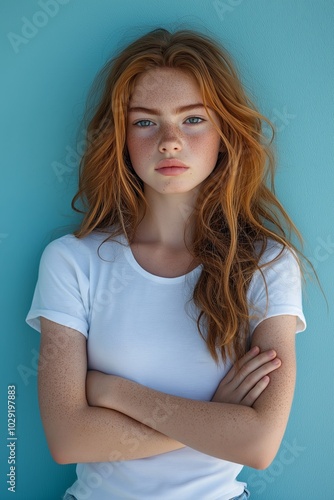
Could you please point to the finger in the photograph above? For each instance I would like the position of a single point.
(252, 365)
(255, 377)
(252, 353)
(257, 390)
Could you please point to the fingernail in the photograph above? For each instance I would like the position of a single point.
(276, 361)
(255, 349)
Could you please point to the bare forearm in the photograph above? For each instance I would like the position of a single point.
(75, 431)
(95, 434)
(226, 431)
(250, 435)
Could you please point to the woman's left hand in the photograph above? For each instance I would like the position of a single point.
(246, 380)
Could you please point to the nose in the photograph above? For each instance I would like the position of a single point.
(170, 140)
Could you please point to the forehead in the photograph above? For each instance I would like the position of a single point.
(160, 86)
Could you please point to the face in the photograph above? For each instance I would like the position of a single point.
(172, 143)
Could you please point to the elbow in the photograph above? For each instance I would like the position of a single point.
(258, 461)
(63, 435)
(252, 456)
(262, 462)
(260, 450)
(64, 455)
(263, 454)
(59, 457)
(61, 445)
(60, 453)
(264, 444)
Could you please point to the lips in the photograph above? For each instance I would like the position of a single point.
(171, 163)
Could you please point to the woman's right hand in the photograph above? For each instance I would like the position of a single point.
(248, 378)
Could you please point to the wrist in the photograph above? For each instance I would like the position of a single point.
(97, 388)
(110, 391)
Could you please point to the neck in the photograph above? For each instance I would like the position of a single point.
(166, 222)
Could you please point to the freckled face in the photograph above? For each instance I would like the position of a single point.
(167, 120)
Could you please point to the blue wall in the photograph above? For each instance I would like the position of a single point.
(51, 51)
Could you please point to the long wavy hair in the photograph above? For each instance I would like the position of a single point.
(236, 212)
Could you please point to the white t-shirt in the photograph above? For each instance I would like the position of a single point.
(142, 327)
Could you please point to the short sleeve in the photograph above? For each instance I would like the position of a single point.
(62, 290)
(281, 280)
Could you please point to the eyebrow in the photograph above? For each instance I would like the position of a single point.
(177, 111)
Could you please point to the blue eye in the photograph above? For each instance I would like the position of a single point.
(143, 123)
(194, 120)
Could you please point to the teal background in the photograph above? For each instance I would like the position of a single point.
(284, 52)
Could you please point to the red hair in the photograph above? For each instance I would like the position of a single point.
(235, 206)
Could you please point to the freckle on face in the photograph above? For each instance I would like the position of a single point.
(166, 89)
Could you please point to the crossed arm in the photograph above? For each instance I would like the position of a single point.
(118, 419)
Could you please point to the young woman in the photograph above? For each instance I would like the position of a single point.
(168, 319)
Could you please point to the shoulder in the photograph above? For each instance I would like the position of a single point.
(279, 272)
(277, 264)
(274, 254)
(275, 259)
(94, 246)
(276, 288)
